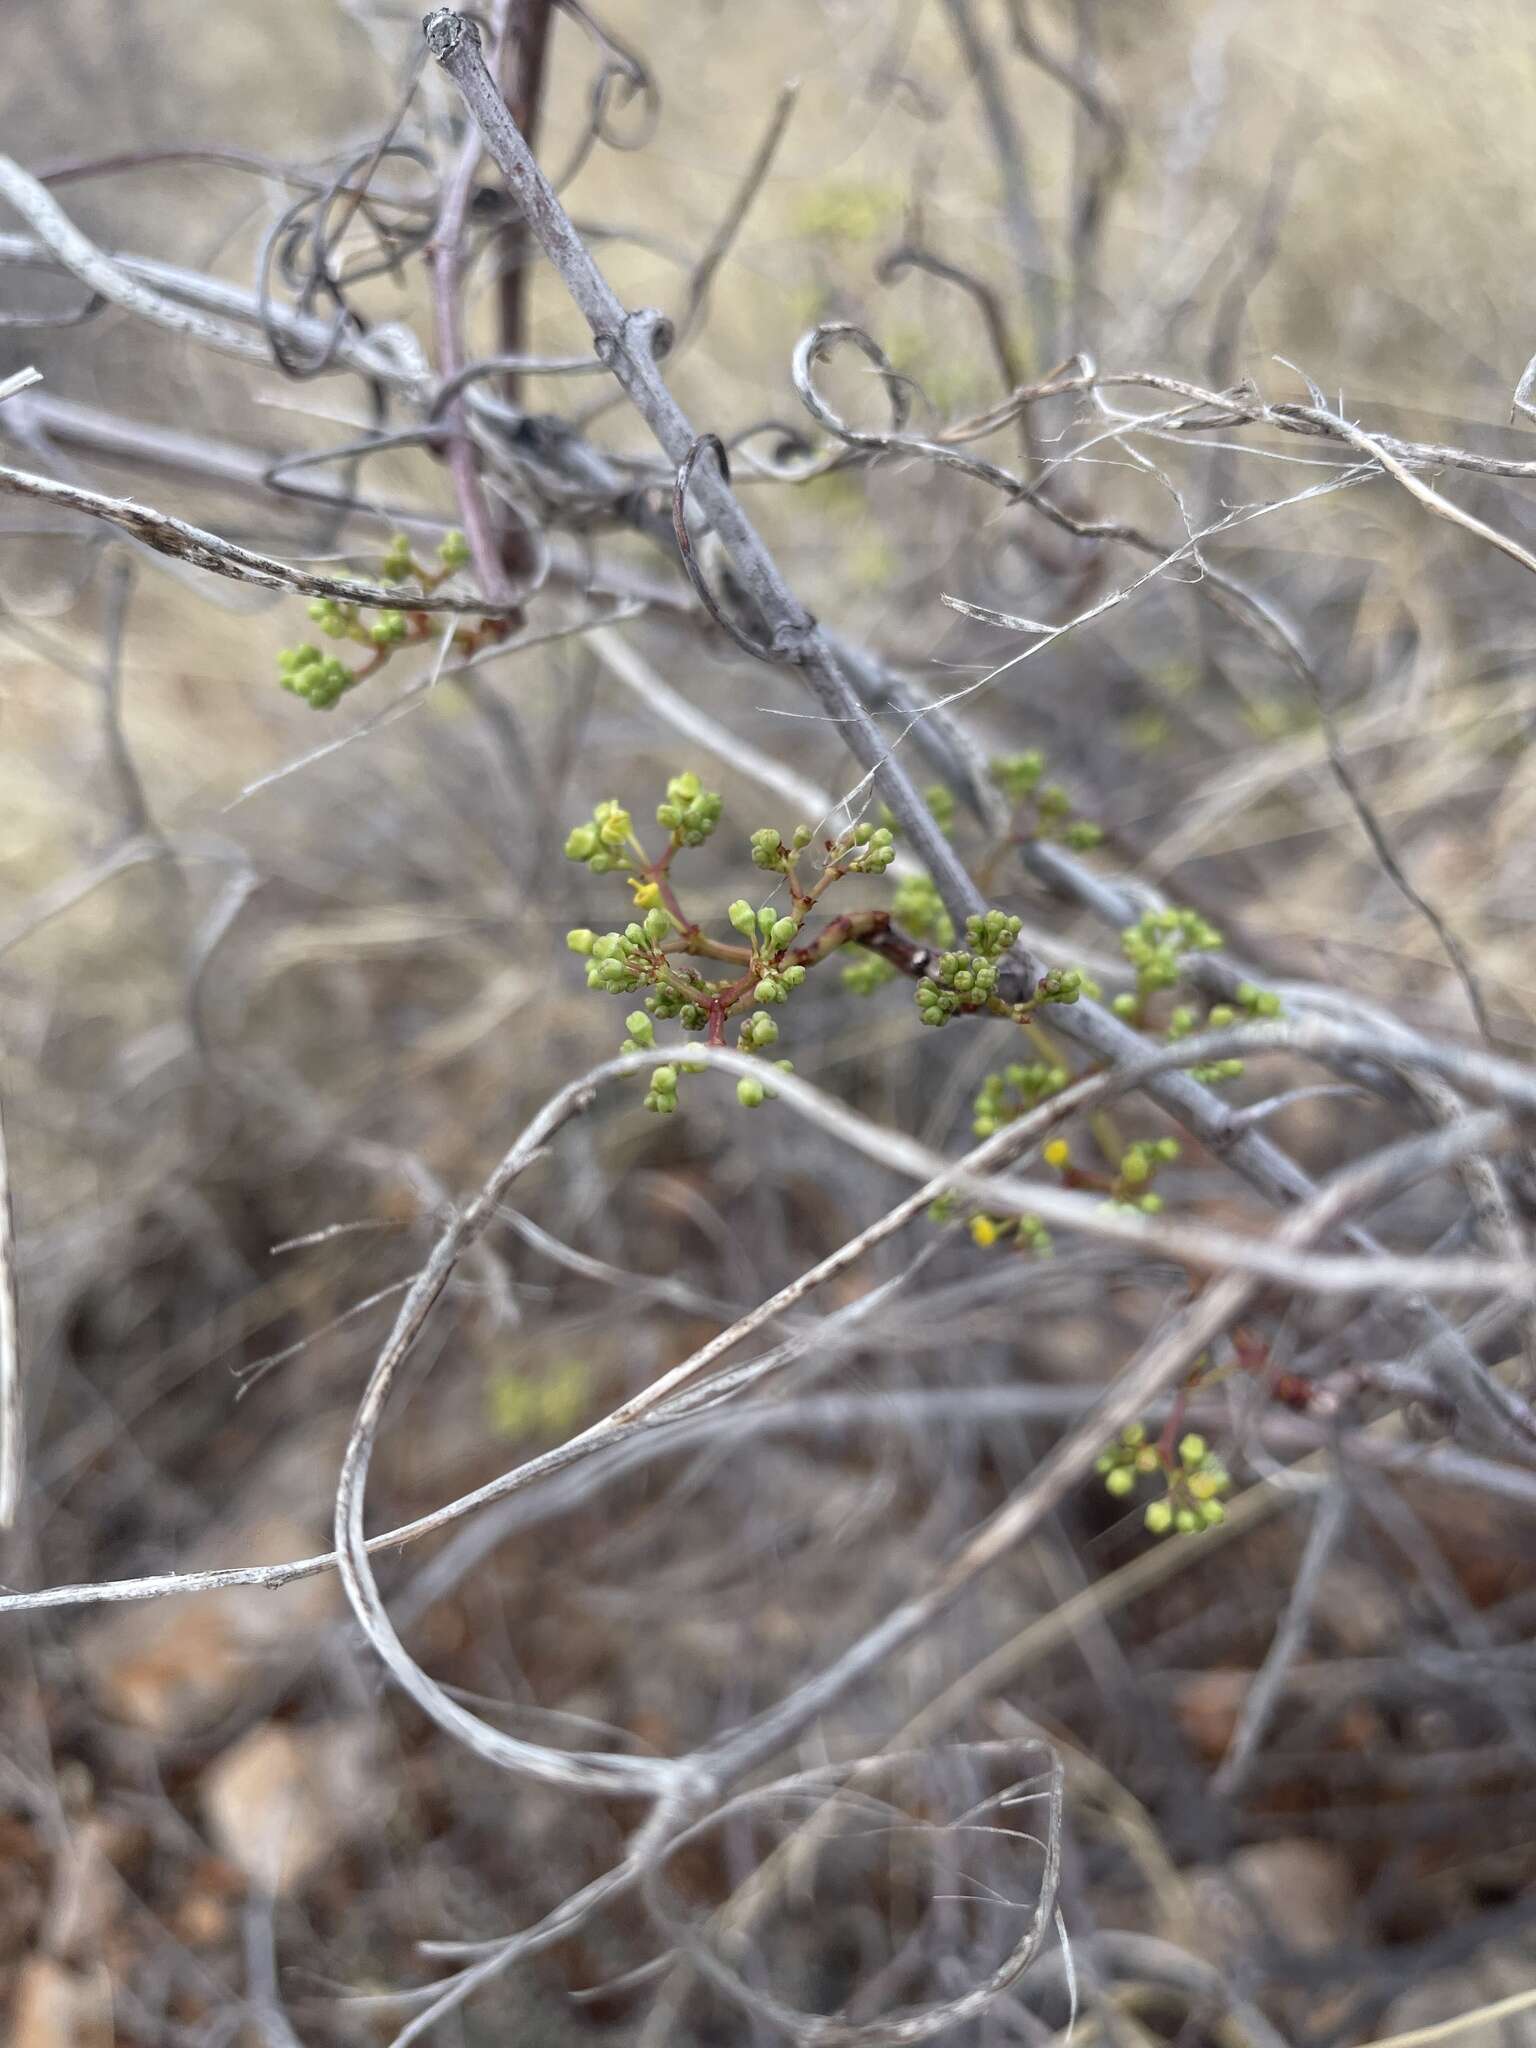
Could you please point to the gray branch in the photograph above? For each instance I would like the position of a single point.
(629, 344)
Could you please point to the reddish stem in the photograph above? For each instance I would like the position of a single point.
(520, 74)
(658, 873)
(446, 255)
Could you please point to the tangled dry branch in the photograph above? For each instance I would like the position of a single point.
(552, 517)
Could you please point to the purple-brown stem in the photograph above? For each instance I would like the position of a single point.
(446, 255)
(520, 74)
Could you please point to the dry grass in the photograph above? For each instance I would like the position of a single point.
(323, 1010)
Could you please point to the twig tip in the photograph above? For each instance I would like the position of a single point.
(445, 29)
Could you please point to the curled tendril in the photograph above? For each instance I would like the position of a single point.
(298, 255)
(844, 1785)
(623, 78)
(789, 455)
(816, 346)
(759, 650)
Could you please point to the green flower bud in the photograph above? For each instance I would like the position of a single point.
(399, 563)
(1121, 1481)
(581, 843)
(657, 925)
(749, 1093)
(783, 932)
(582, 941)
(1159, 1518)
(664, 1080)
(1192, 1449)
(744, 917)
(453, 549)
(388, 629)
(640, 1027)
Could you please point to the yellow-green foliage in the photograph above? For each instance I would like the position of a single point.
(546, 1406)
(848, 210)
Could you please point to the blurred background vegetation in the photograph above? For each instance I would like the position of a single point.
(337, 986)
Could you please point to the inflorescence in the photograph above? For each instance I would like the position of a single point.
(322, 680)
(1192, 1478)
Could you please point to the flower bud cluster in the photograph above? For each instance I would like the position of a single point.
(1156, 944)
(1195, 1490)
(919, 909)
(967, 981)
(776, 984)
(1195, 1481)
(752, 1093)
(1018, 776)
(689, 812)
(399, 565)
(336, 621)
(1139, 1164)
(1027, 1233)
(619, 962)
(865, 972)
(601, 842)
(1006, 1096)
(959, 981)
(1061, 985)
(322, 680)
(768, 850)
(872, 849)
(668, 1003)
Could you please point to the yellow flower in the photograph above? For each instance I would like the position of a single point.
(1057, 1153)
(647, 894)
(984, 1231)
